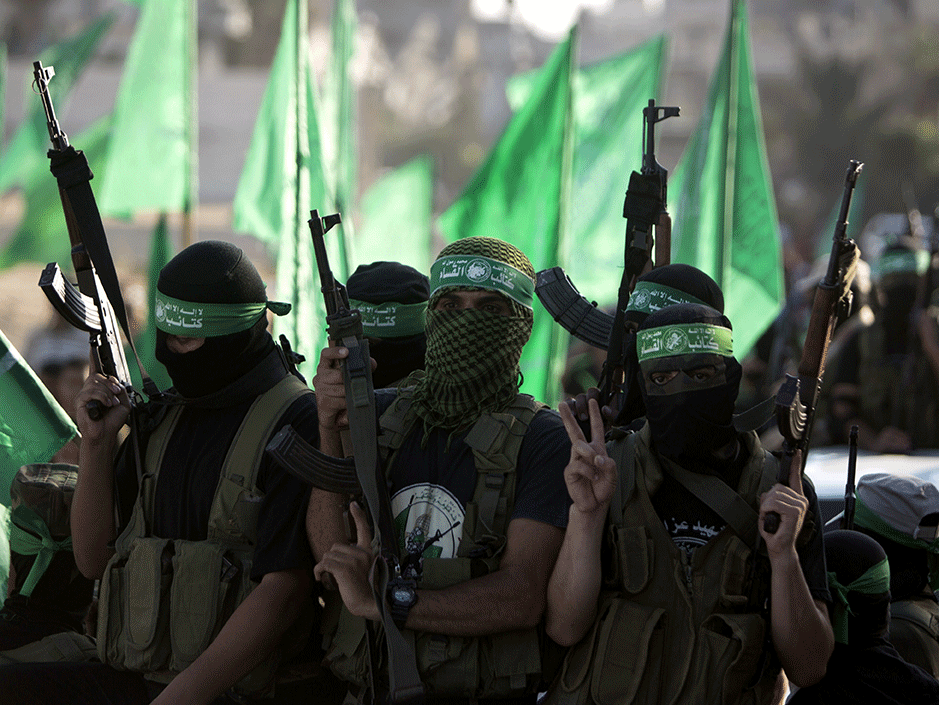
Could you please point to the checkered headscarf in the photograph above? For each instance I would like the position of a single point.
(471, 366)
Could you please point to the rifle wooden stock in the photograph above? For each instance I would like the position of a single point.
(795, 424)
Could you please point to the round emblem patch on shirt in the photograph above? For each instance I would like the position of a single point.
(428, 521)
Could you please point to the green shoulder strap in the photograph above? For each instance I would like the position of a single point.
(496, 440)
(247, 448)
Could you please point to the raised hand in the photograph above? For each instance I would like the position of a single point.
(349, 565)
(591, 473)
(791, 505)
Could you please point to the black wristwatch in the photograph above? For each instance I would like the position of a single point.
(402, 594)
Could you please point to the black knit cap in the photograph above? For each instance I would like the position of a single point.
(383, 282)
(212, 272)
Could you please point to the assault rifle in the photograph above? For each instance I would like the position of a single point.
(847, 519)
(644, 209)
(360, 445)
(798, 396)
(97, 305)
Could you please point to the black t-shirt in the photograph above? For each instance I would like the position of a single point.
(191, 470)
(431, 486)
(692, 523)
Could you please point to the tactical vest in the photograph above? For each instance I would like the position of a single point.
(163, 601)
(669, 629)
(500, 665)
(914, 632)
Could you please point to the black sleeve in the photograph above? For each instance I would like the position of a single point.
(281, 537)
(812, 554)
(541, 493)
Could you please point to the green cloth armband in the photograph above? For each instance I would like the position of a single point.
(649, 297)
(684, 339)
(391, 320)
(29, 536)
(483, 273)
(194, 320)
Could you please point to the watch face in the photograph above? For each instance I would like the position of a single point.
(403, 595)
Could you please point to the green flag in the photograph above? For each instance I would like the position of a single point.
(3, 85)
(521, 194)
(721, 195)
(396, 213)
(152, 155)
(608, 100)
(33, 427)
(282, 180)
(338, 125)
(161, 252)
(28, 146)
(42, 236)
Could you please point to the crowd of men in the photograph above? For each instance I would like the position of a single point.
(537, 555)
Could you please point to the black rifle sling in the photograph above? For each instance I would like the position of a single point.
(404, 681)
(720, 497)
(71, 170)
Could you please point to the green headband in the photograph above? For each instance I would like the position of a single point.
(29, 536)
(901, 262)
(391, 320)
(874, 581)
(195, 320)
(649, 297)
(684, 339)
(865, 517)
(484, 273)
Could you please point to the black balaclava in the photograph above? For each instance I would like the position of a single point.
(213, 272)
(683, 278)
(849, 555)
(391, 282)
(690, 421)
(897, 285)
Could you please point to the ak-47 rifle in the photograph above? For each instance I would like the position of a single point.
(97, 305)
(644, 209)
(798, 396)
(847, 519)
(360, 443)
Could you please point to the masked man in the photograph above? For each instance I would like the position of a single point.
(201, 552)
(663, 579)
(477, 492)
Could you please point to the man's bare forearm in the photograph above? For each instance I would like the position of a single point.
(92, 513)
(801, 628)
(575, 582)
(248, 637)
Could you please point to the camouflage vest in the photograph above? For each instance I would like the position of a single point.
(163, 601)
(500, 665)
(671, 629)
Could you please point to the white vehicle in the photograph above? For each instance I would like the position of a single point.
(828, 469)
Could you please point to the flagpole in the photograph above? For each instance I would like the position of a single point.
(192, 126)
(730, 132)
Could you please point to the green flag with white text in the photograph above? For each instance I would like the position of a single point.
(282, 180)
(608, 100)
(152, 158)
(521, 195)
(721, 195)
(27, 148)
(42, 236)
(396, 215)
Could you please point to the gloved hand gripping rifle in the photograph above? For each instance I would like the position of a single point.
(97, 305)
(643, 208)
(798, 396)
